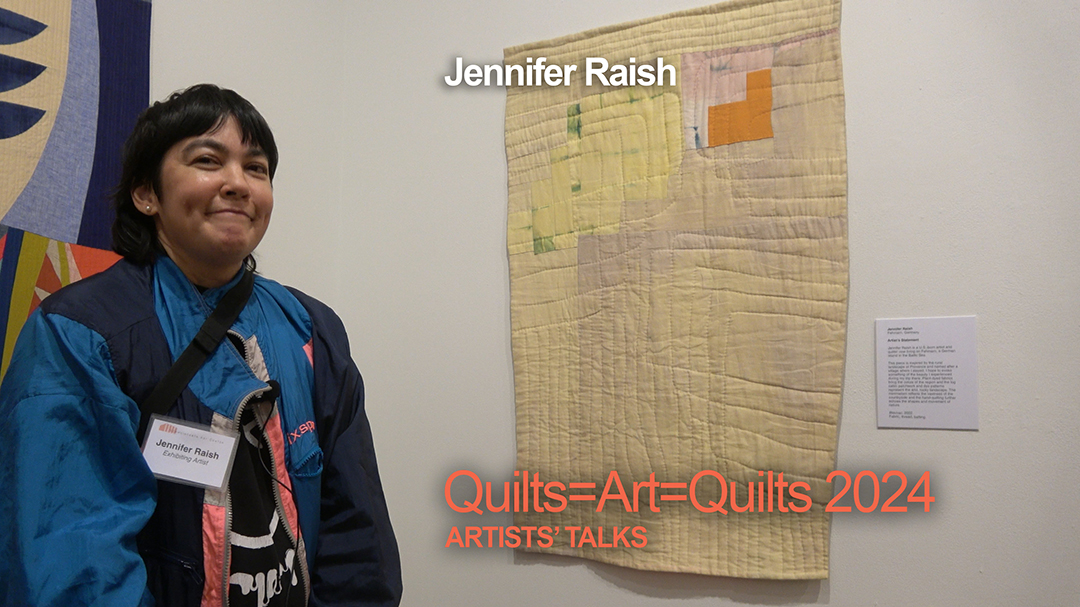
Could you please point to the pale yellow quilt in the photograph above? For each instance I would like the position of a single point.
(679, 268)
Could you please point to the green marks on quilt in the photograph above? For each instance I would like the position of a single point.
(543, 245)
(620, 146)
(573, 121)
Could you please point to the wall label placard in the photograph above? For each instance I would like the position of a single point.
(927, 373)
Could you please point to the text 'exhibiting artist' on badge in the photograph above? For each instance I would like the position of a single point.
(926, 373)
(188, 453)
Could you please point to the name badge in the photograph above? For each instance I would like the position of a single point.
(188, 453)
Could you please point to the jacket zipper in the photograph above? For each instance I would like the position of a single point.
(277, 504)
(301, 563)
(227, 548)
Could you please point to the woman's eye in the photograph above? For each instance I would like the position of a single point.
(206, 161)
(260, 169)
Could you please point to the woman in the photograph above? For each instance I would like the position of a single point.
(301, 518)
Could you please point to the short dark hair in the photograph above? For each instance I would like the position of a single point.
(187, 113)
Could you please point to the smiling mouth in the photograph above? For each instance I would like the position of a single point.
(236, 212)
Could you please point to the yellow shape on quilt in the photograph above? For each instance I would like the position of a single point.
(620, 146)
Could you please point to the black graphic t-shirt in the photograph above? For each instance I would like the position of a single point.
(264, 565)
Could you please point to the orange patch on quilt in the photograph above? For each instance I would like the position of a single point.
(47, 282)
(88, 262)
(747, 120)
(91, 261)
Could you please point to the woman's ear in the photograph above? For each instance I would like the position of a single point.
(145, 199)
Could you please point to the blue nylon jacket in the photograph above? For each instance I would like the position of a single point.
(83, 521)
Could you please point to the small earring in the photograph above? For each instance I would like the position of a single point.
(147, 208)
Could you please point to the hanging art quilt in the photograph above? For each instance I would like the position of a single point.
(679, 269)
(74, 75)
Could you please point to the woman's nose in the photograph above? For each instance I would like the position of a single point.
(236, 181)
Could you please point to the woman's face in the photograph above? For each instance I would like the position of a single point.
(214, 203)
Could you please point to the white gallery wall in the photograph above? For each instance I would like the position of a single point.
(964, 198)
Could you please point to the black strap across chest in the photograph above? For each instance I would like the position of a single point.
(189, 362)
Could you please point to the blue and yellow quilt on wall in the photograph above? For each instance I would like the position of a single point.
(74, 75)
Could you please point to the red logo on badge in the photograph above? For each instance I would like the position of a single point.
(171, 429)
